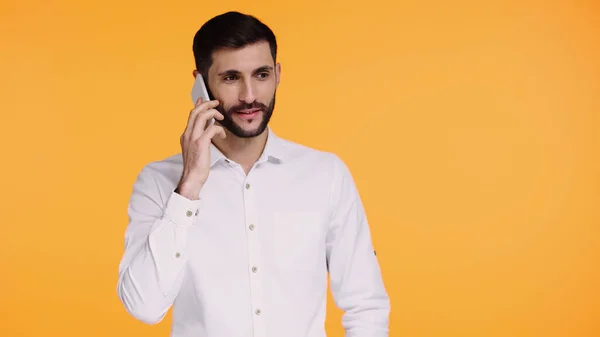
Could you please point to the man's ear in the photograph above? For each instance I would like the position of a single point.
(195, 73)
(278, 72)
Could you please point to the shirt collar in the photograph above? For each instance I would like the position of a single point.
(274, 150)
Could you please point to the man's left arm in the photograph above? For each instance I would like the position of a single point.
(355, 276)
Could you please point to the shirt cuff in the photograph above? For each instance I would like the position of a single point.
(180, 210)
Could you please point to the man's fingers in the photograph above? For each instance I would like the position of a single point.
(201, 122)
(202, 106)
(222, 132)
(210, 132)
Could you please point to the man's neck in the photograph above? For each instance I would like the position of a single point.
(244, 151)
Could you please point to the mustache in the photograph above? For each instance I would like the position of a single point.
(245, 106)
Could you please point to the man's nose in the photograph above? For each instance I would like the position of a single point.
(247, 92)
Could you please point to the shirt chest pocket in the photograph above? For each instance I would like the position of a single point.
(299, 239)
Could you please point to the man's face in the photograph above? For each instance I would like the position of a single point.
(244, 81)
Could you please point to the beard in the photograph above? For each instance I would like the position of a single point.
(233, 127)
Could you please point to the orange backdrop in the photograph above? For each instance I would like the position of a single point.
(471, 128)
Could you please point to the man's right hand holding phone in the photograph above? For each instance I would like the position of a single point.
(195, 147)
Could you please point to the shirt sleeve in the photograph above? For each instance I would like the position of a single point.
(152, 268)
(355, 277)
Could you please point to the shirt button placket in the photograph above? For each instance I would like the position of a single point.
(254, 258)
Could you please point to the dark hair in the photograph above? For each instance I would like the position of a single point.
(229, 30)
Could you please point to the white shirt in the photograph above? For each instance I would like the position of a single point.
(251, 257)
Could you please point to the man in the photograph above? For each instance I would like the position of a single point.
(239, 232)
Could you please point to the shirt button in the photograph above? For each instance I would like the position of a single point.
(251, 227)
(257, 311)
(254, 269)
(247, 186)
(189, 213)
(177, 255)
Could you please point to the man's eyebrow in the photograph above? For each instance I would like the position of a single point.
(229, 72)
(262, 69)
(237, 72)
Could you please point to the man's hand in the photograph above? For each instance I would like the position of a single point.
(195, 143)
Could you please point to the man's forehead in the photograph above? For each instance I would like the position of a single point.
(247, 58)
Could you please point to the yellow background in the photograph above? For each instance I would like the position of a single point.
(471, 128)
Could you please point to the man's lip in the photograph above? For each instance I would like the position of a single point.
(249, 110)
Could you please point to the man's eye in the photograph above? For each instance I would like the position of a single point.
(230, 78)
(263, 75)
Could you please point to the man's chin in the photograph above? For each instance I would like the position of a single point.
(246, 130)
(251, 133)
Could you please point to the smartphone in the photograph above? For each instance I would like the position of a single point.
(199, 90)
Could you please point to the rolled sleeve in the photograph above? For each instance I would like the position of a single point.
(356, 281)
